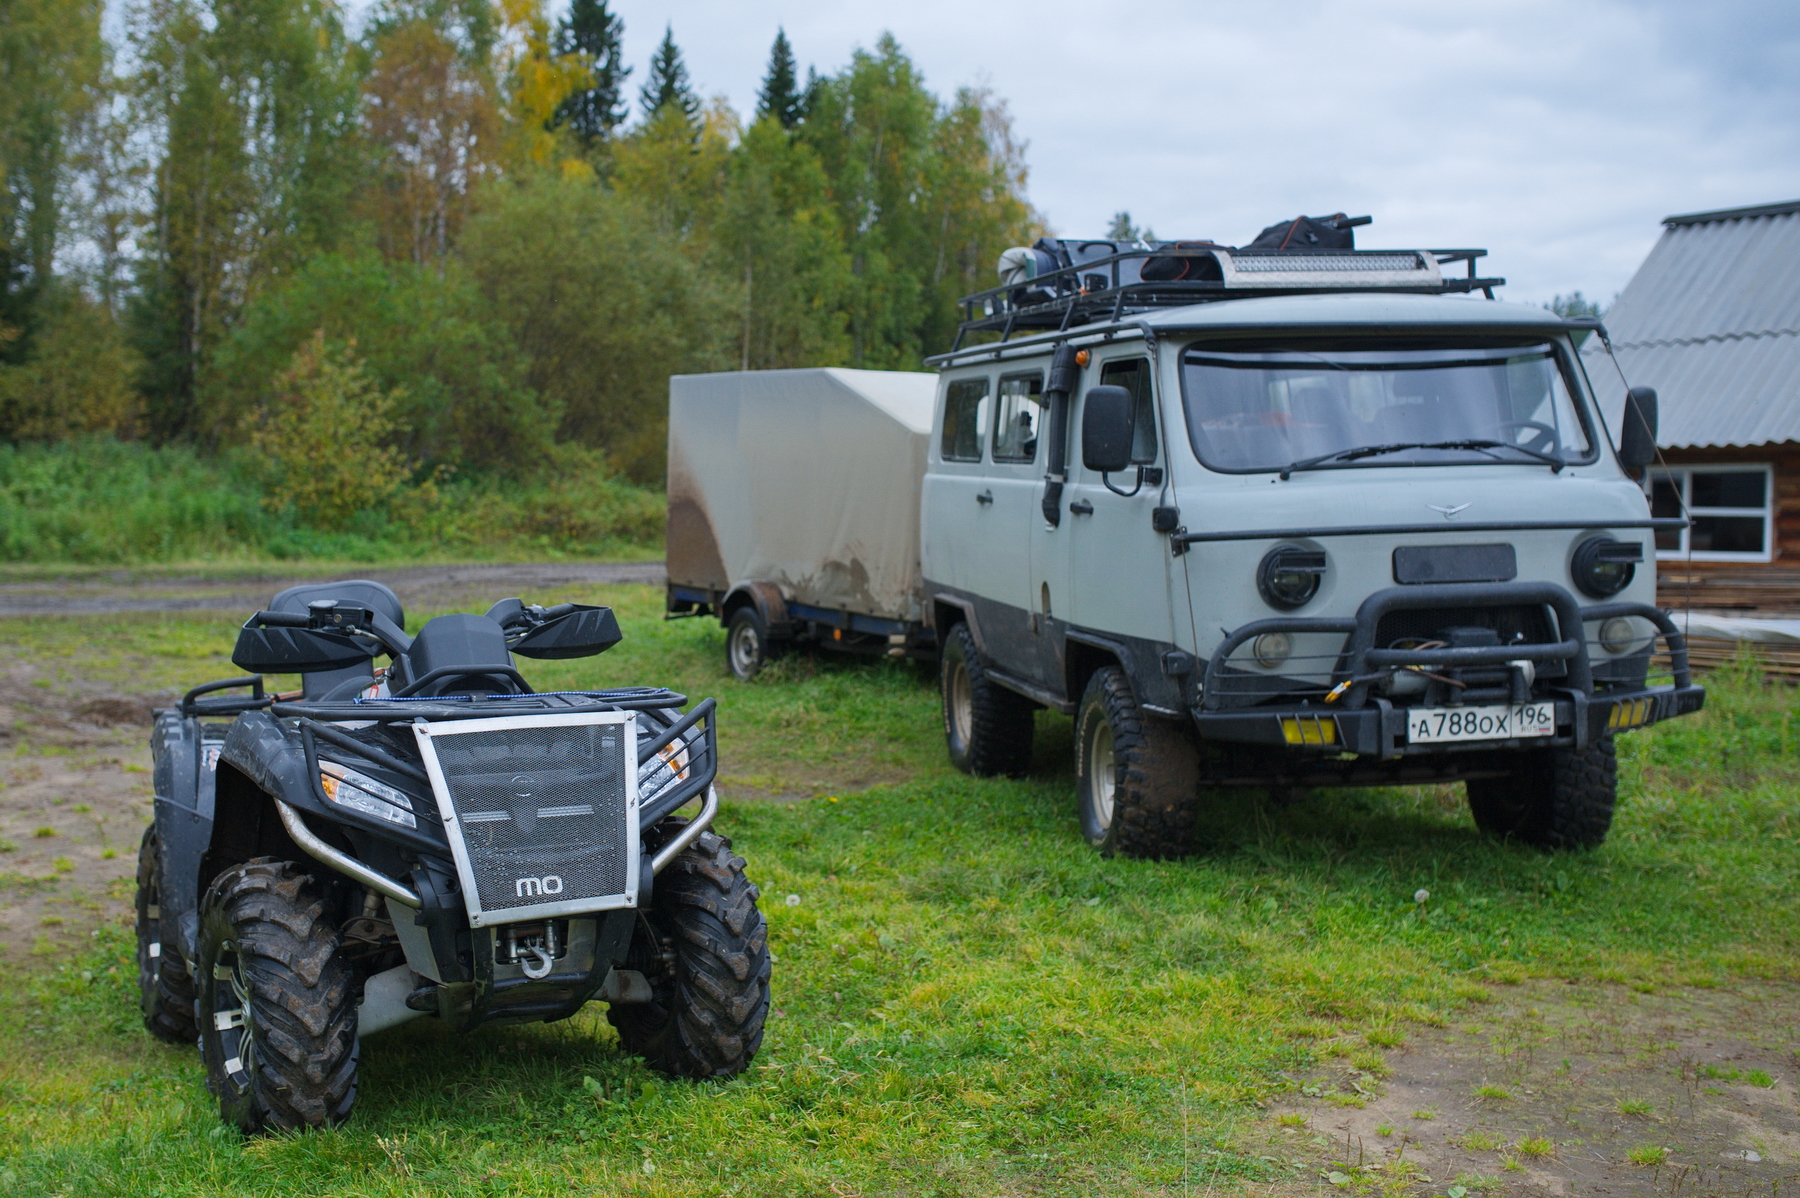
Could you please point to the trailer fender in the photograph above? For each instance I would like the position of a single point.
(769, 602)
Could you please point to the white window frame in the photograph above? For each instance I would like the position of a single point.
(1683, 474)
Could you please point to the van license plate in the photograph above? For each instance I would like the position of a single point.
(1428, 725)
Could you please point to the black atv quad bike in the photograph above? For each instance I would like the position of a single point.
(433, 839)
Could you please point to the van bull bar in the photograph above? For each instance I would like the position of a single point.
(1348, 718)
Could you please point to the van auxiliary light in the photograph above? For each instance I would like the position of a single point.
(1310, 729)
(1631, 713)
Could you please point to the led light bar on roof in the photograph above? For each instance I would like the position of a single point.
(1327, 263)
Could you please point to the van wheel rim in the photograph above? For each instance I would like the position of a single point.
(1102, 772)
(744, 649)
(962, 705)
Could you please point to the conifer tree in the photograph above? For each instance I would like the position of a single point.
(780, 95)
(667, 82)
(590, 29)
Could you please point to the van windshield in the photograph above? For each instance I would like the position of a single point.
(1423, 405)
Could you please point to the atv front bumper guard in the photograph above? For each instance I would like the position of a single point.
(1349, 719)
(406, 896)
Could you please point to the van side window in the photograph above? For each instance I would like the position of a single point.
(964, 408)
(1133, 374)
(1016, 417)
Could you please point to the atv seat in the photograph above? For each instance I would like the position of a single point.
(346, 682)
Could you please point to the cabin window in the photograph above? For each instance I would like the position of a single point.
(1016, 417)
(965, 405)
(1133, 374)
(1732, 509)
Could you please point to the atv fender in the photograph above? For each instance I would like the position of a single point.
(183, 781)
(263, 751)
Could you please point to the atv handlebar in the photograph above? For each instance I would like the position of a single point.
(282, 619)
(329, 615)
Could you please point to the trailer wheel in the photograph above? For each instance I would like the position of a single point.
(277, 1014)
(747, 645)
(165, 987)
(704, 947)
(1137, 777)
(987, 728)
(1554, 798)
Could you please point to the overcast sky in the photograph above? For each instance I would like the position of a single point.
(1554, 133)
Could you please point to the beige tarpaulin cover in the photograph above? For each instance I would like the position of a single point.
(805, 478)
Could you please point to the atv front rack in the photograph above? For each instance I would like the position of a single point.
(405, 710)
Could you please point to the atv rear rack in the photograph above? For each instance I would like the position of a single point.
(1111, 287)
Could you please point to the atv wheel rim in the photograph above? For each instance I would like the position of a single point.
(230, 1016)
(1102, 772)
(746, 649)
(962, 705)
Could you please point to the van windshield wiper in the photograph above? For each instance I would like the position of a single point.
(1370, 451)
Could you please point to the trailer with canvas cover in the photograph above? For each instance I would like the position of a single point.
(794, 509)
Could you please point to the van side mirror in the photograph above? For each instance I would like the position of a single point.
(1108, 419)
(1637, 436)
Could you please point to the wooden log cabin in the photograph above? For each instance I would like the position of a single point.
(1712, 321)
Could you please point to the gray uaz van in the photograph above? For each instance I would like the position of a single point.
(1290, 517)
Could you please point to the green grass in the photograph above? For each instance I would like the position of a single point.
(100, 501)
(970, 1001)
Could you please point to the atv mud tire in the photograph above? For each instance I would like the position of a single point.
(1553, 798)
(1137, 777)
(165, 987)
(987, 728)
(704, 948)
(276, 1006)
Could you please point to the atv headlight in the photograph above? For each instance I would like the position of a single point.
(359, 792)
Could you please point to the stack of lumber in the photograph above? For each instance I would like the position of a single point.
(1760, 593)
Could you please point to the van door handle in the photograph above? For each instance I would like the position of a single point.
(985, 498)
(1082, 507)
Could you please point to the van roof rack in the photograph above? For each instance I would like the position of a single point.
(1113, 285)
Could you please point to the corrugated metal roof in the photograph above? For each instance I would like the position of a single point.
(1712, 321)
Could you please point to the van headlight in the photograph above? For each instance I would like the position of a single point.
(1603, 566)
(359, 792)
(1289, 577)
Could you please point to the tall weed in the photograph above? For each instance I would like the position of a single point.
(99, 501)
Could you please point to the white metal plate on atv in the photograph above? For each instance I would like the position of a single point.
(1500, 721)
(501, 795)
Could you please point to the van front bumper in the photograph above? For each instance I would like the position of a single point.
(1349, 718)
(1378, 729)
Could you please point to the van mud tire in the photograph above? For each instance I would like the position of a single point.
(987, 728)
(1137, 777)
(276, 1005)
(1554, 798)
(704, 948)
(165, 987)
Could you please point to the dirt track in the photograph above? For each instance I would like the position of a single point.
(417, 586)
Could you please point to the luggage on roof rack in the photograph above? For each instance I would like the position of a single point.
(1062, 283)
